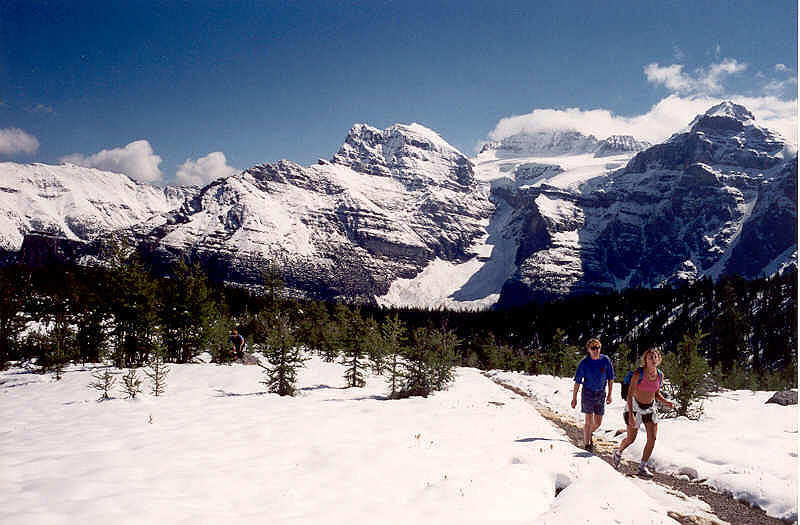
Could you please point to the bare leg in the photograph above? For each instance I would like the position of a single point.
(597, 421)
(630, 437)
(587, 428)
(652, 430)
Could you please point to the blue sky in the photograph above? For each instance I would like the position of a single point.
(154, 88)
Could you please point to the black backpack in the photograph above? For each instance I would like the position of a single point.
(626, 383)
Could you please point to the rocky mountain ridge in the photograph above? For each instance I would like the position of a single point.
(718, 199)
(76, 203)
(398, 214)
(556, 143)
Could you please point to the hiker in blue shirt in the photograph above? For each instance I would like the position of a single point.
(594, 372)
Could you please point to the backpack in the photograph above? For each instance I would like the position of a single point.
(626, 383)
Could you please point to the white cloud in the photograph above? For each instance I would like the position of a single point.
(203, 170)
(693, 94)
(703, 81)
(670, 115)
(135, 160)
(781, 68)
(15, 140)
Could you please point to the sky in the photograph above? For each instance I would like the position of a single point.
(183, 92)
(217, 448)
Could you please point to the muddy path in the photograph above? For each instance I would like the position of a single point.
(722, 505)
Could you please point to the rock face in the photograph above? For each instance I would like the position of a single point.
(718, 199)
(785, 398)
(389, 202)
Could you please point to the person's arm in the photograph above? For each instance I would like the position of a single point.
(631, 388)
(664, 400)
(575, 394)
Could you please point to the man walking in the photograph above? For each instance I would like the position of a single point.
(594, 372)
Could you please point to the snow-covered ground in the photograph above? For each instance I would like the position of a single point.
(741, 445)
(216, 448)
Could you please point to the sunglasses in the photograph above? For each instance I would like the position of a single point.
(594, 347)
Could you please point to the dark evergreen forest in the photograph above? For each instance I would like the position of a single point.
(747, 330)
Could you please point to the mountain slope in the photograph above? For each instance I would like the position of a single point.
(400, 217)
(720, 198)
(75, 202)
(389, 202)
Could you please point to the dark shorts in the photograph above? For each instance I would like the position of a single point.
(646, 418)
(593, 401)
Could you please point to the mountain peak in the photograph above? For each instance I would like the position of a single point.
(547, 143)
(725, 118)
(408, 152)
(731, 110)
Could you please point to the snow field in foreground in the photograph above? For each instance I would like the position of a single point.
(217, 449)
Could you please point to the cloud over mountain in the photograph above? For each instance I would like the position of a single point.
(136, 160)
(203, 170)
(15, 140)
(691, 94)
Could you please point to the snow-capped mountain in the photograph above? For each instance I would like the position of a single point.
(75, 202)
(619, 144)
(718, 199)
(560, 143)
(389, 202)
(399, 216)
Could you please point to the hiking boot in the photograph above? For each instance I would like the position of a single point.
(645, 471)
(617, 458)
(589, 446)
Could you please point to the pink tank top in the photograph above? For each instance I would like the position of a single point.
(647, 385)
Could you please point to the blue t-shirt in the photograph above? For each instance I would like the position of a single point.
(594, 373)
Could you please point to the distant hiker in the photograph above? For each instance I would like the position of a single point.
(595, 372)
(237, 344)
(644, 389)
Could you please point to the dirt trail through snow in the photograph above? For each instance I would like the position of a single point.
(727, 509)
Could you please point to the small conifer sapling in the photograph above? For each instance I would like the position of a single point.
(157, 372)
(103, 383)
(131, 384)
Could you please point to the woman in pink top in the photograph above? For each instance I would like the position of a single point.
(643, 392)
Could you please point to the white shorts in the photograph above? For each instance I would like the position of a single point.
(644, 414)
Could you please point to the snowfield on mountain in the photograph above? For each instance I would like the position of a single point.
(216, 448)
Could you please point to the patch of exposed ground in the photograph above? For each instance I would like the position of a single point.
(723, 506)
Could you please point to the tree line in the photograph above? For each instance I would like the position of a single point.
(745, 331)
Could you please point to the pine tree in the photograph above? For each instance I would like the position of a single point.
(393, 331)
(283, 356)
(356, 343)
(157, 372)
(443, 358)
(90, 318)
(561, 359)
(131, 384)
(273, 283)
(687, 374)
(187, 313)
(15, 290)
(313, 326)
(417, 373)
(103, 382)
(134, 305)
(219, 345)
(728, 335)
